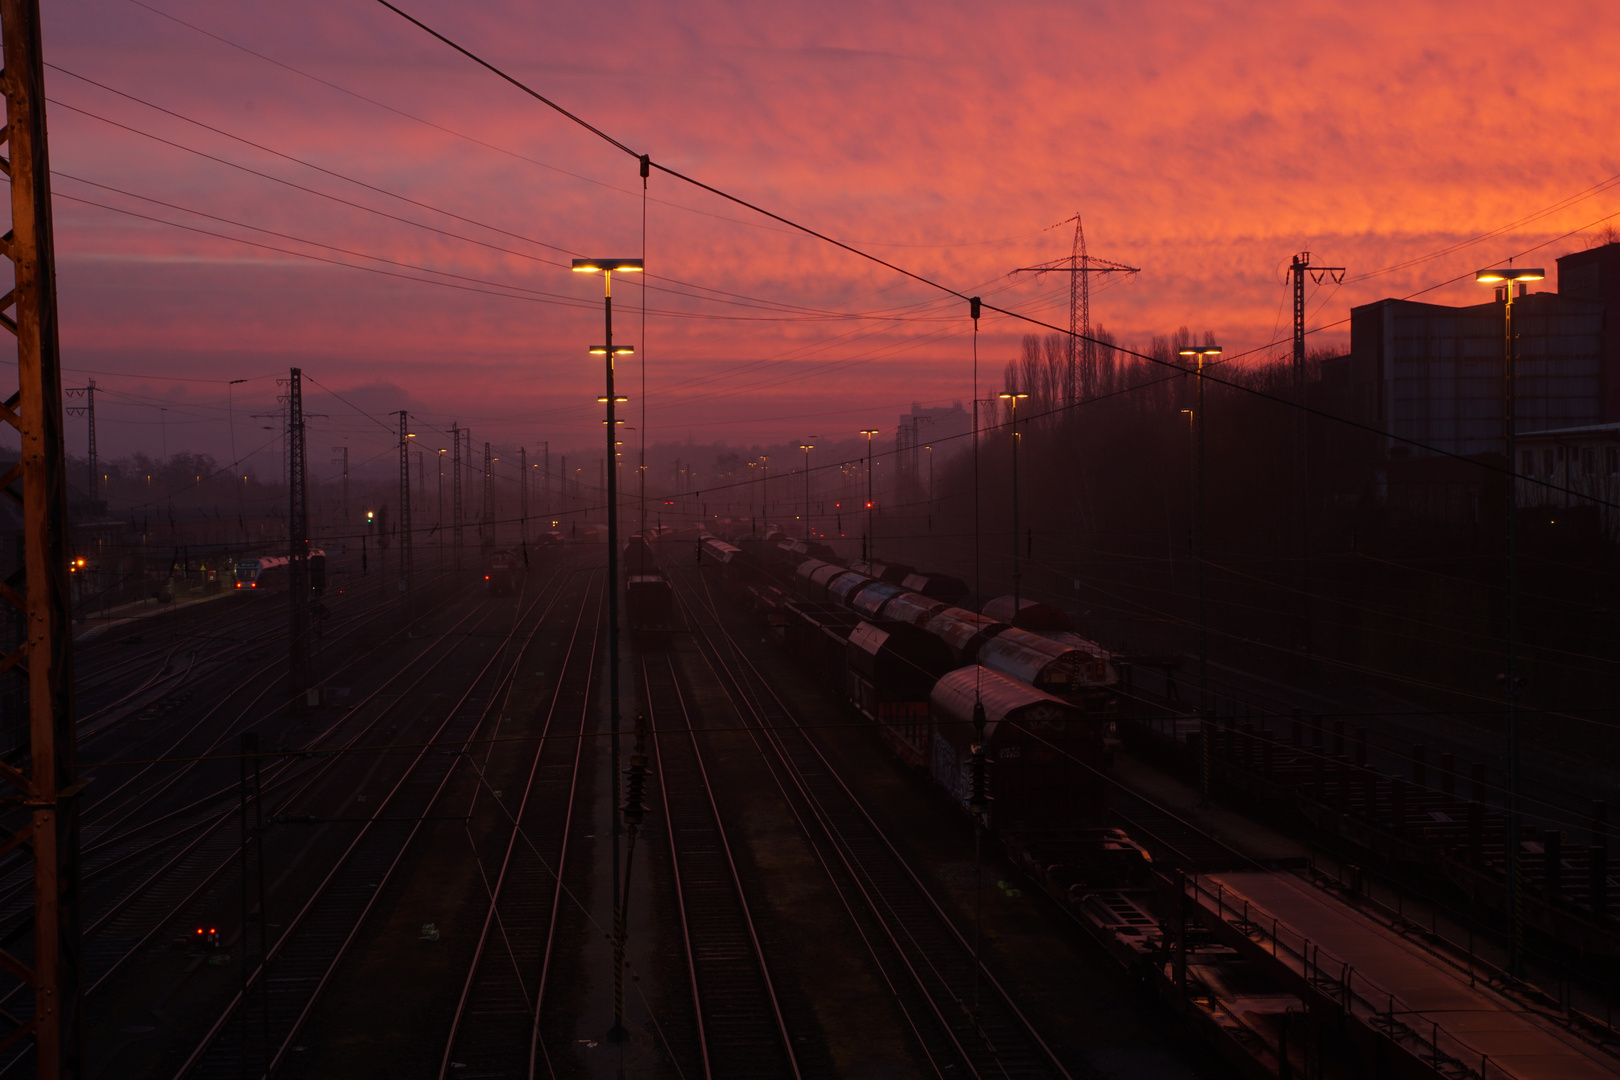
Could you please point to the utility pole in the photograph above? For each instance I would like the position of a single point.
(88, 410)
(1302, 266)
(455, 496)
(807, 447)
(43, 660)
(344, 461)
(523, 495)
(545, 479)
(297, 546)
(1080, 379)
(1206, 721)
(487, 521)
(404, 502)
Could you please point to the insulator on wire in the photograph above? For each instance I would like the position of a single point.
(635, 790)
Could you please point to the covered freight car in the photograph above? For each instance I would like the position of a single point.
(914, 608)
(963, 630)
(1047, 664)
(892, 670)
(1043, 752)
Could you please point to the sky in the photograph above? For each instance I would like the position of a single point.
(242, 188)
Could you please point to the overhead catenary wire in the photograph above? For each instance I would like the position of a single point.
(928, 281)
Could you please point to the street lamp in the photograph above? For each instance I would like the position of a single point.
(870, 545)
(1510, 281)
(606, 267)
(1013, 397)
(1206, 726)
(807, 447)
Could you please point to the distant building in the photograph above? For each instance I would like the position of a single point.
(1435, 375)
(1560, 470)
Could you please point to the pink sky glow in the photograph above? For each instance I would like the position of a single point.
(1205, 143)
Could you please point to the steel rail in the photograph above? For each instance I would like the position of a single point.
(279, 779)
(107, 834)
(329, 962)
(479, 978)
(845, 843)
(716, 951)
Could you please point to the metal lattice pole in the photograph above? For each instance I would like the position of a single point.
(404, 501)
(297, 544)
(455, 496)
(486, 523)
(39, 588)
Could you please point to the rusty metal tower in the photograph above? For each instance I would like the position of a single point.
(1080, 380)
(42, 770)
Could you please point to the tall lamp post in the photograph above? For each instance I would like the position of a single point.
(1013, 397)
(608, 351)
(869, 545)
(1206, 726)
(1510, 280)
(807, 447)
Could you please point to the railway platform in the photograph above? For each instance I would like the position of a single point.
(1406, 997)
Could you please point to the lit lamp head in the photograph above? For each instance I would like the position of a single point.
(1507, 277)
(607, 267)
(1202, 352)
(869, 432)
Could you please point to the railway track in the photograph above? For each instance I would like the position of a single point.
(140, 899)
(317, 938)
(741, 1027)
(111, 828)
(964, 1020)
(495, 1028)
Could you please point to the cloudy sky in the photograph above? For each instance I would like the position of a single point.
(244, 187)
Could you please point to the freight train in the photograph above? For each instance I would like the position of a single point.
(1013, 696)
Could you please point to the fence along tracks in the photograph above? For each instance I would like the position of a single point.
(315, 940)
(926, 960)
(740, 1024)
(495, 1028)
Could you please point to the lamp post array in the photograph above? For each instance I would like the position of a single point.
(1206, 727)
(807, 447)
(1013, 397)
(1510, 280)
(607, 267)
(870, 542)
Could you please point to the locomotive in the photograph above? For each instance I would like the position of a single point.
(503, 568)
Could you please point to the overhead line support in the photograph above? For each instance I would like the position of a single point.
(43, 770)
